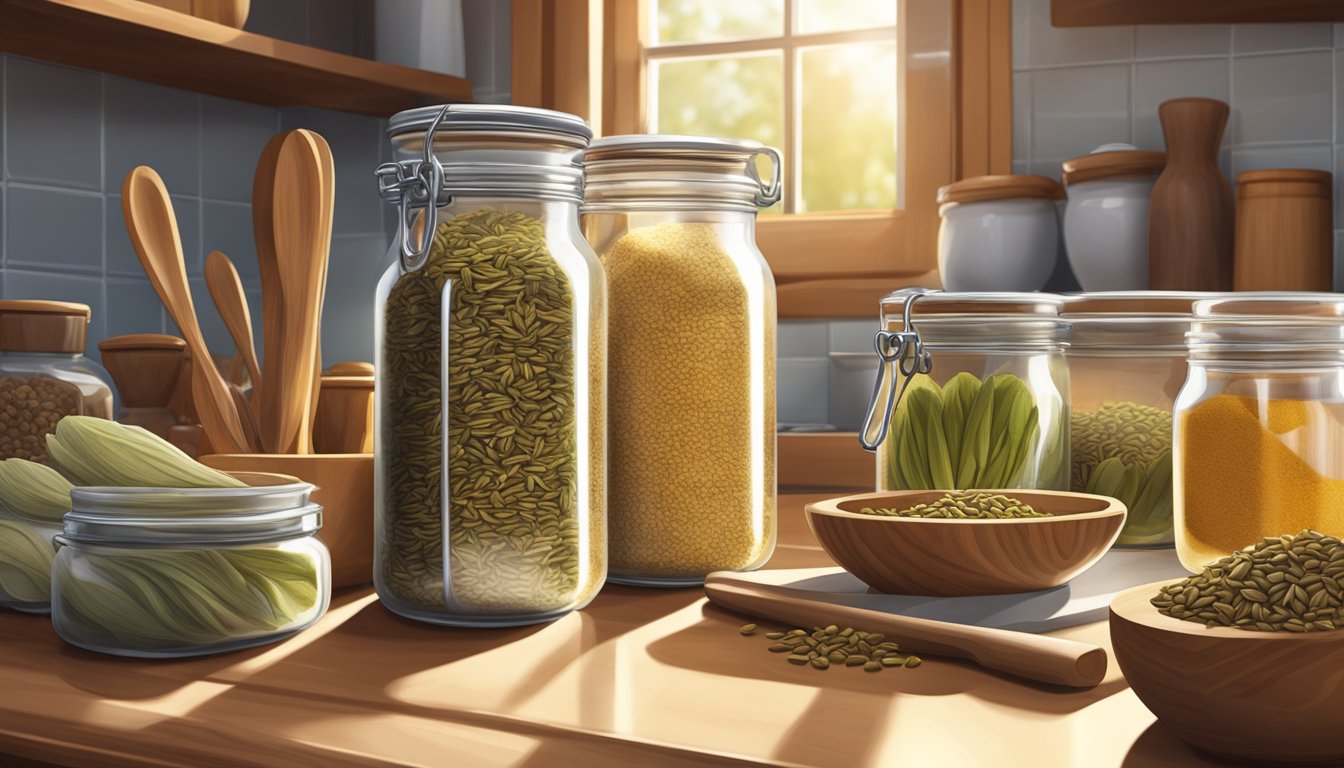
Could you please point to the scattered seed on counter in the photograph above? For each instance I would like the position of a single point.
(831, 646)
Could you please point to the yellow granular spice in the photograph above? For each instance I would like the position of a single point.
(1241, 482)
(682, 501)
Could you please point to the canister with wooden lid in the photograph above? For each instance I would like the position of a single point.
(1106, 219)
(1285, 231)
(998, 233)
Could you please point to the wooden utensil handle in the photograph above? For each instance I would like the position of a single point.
(1044, 659)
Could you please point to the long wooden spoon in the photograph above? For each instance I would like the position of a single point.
(153, 228)
(302, 252)
(272, 300)
(226, 288)
(328, 201)
(1035, 657)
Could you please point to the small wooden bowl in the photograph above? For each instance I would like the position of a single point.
(1266, 697)
(956, 558)
(344, 489)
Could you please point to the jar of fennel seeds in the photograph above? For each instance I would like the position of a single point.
(692, 345)
(972, 392)
(491, 325)
(1127, 363)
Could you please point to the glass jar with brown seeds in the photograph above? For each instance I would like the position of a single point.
(44, 375)
(491, 375)
(692, 349)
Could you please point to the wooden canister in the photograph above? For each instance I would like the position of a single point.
(1190, 210)
(1285, 235)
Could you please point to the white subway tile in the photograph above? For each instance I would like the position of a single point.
(52, 229)
(1257, 38)
(1287, 97)
(155, 126)
(1159, 81)
(54, 124)
(801, 390)
(854, 335)
(1021, 114)
(1075, 110)
(1315, 157)
(1053, 46)
(1180, 40)
(802, 338)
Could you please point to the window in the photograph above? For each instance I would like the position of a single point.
(816, 78)
(876, 104)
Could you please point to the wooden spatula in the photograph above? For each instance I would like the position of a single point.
(226, 288)
(301, 218)
(153, 228)
(328, 201)
(1035, 657)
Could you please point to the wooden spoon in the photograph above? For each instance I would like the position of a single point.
(226, 288)
(272, 300)
(1035, 657)
(328, 202)
(153, 228)
(302, 250)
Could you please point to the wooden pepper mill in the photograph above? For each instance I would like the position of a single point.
(1190, 212)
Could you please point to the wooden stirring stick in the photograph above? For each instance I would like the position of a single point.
(272, 299)
(153, 229)
(328, 201)
(226, 288)
(1035, 657)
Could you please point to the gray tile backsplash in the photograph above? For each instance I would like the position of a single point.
(1086, 87)
(70, 136)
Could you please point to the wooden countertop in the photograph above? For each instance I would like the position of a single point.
(641, 677)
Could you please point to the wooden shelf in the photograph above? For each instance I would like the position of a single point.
(141, 41)
(1100, 13)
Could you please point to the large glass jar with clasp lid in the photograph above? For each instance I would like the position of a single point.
(490, 406)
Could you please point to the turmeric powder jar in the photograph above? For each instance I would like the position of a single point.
(973, 392)
(691, 392)
(1258, 438)
(1126, 365)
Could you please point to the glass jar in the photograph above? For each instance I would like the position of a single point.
(1126, 365)
(172, 572)
(44, 375)
(491, 341)
(27, 548)
(692, 347)
(973, 392)
(1258, 439)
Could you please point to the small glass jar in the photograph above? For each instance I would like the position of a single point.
(172, 572)
(692, 347)
(44, 375)
(973, 392)
(1126, 365)
(490, 398)
(27, 548)
(1258, 439)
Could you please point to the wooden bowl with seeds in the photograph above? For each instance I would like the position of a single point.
(1265, 697)
(961, 557)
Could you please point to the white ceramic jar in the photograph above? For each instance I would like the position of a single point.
(998, 233)
(1106, 218)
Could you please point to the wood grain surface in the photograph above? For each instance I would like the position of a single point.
(920, 556)
(1268, 697)
(344, 422)
(1285, 238)
(641, 677)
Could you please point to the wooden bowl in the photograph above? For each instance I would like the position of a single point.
(344, 489)
(956, 558)
(1266, 697)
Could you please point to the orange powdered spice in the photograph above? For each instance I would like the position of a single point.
(1242, 483)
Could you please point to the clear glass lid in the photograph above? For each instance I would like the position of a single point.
(1104, 321)
(1269, 323)
(1002, 319)
(666, 172)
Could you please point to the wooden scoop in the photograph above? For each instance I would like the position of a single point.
(153, 228)
(1035, 657)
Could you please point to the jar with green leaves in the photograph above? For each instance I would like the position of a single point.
(491, 331)
(972, 392)
(1127, 363)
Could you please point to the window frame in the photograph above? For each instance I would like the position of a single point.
(586, 56)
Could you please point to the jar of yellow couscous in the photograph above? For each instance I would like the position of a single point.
(692, 351)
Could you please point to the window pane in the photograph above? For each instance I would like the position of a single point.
(836, 15)
(703, 21)
(735, 97)
(848, 127)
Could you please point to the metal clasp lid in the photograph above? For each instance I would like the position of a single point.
(412, 185)
(769, 192)
(902, 352)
